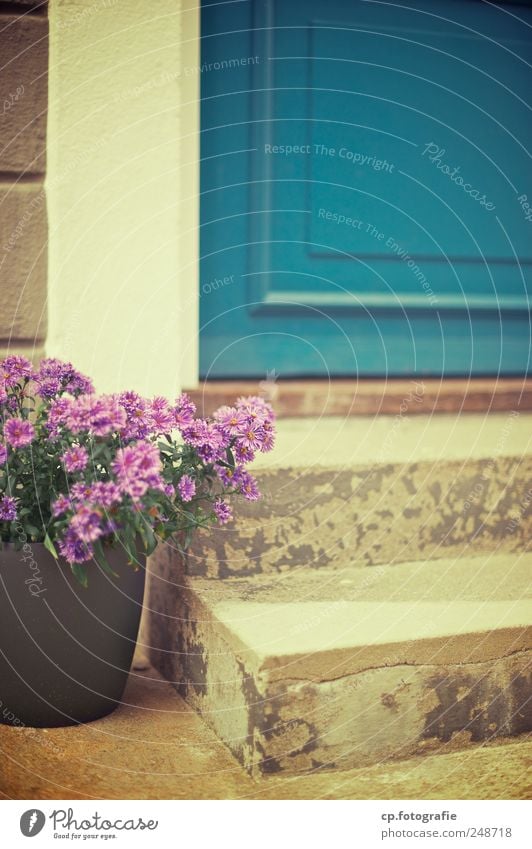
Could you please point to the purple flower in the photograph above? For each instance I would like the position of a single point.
(196, 433)
(137, 467)
(226, 475)
(243, 453)
(75, 459)
(162, 416)
(109, 527)
(230, 419)
(3, 454)
(18, 432)
(78, 384)
(268, 437)
(248, 486)
(256, 409)
(81, 492)
(187, 488)
(106, 415)
(169, 490)
(55, 376)
(8, 509)
(49, 387)
(209, 441)
(60, 506)
(105, 493)
(138, 415)
(86, 524)
(222, 511)
(74, 549)
(57, 414)
(251, 435)
(184, 411)
(14, 369)
(99, 415)
(77, 414)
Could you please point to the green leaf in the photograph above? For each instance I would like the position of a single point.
(188, 538)
(148, 537)
(130, 544)
(80, 573)
(48, 544)
(101, 559)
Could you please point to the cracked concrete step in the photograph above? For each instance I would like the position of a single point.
(154, 746)
(340, 669)
(384, 491)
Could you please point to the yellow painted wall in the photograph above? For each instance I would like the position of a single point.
(122, 189)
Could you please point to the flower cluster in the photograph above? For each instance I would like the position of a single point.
(80, 471)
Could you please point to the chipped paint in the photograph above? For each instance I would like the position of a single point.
(368, 516)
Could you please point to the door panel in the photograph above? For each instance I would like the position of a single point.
(364, 166)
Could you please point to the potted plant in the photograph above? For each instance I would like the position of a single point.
(89, 484)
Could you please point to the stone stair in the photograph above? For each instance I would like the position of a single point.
(374, 608)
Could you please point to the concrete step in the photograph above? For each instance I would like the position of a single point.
(392, 489)
(336, 669)
(156, 747)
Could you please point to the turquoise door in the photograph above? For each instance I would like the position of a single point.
(366, 188)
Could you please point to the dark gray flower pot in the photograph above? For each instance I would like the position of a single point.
(65, 651)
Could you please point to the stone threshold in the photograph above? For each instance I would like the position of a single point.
(369, 397)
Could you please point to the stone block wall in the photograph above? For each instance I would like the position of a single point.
(23, 219)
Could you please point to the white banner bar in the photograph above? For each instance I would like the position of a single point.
(263, 825)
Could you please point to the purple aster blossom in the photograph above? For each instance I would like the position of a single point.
(3, 393)
(55, 376)
(256, 409)
(251, 435)
(50, 367)
(81, 492)
(75, 459)
(268, 437)
(18, 432)
(222, 511)
(86, 523)
(77, 416)
(169, 490)
(14, 369)
(106, 415)
(229, 421)
(73, 549)
(98, 415)
(196, 433)
(187, 488)
(137, 468)
(8, 509)
(184, 411)
(229, 477)
(57, 414)
(78, 384)
(49, 387)
(106, 494)
(214, 446)
(225, 474)
(109, 527)
(162, 416)
(243, 454)
(247, 485)
(60, 506)
(3, 454)
(138, 415)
